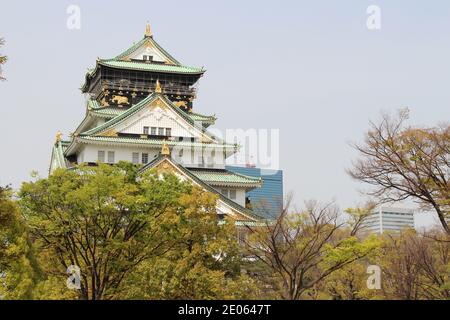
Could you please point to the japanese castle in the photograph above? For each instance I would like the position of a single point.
(140, 109)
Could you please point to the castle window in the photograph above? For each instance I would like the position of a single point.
(111, 156)
(145, 130)
(135, 157)
(160, 131)
(145, 158)
(147, 58)
(233, 194)
(153, 131)
(168, 132)
(101, 156)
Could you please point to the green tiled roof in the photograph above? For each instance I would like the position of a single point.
(108, 112)
(58, 152)
(136, 108)
(142, 66)
(121, 61)
(201, 117)
(240, 223)
(153, 142)
(115, 111)
(224, 177)
(140, 43)
(209, 188)
(93, 104)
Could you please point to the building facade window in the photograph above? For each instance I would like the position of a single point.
(111, 156)
(135, 157)
(145, 130)
(144, 158)
(100, 156)
(168, 132)
(229, 193)
(153, 131)
(160, 131)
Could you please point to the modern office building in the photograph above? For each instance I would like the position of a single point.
(267, 200)
(388, 219)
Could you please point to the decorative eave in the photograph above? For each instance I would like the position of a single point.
(58, 153)
(114, 140)
(226, 178)
(107, 112)
(147, 40)
(204, 119)
(93, 111)
(122, 61)
(153, 67)
(247, 214)
(152, 98)
(110, 112)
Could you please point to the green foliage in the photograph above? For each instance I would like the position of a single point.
(102, 219)
(17, 265)
(350, 283)
(301, 250)
(401, 162)
(415, 266)
(202, 263)
(153, 236)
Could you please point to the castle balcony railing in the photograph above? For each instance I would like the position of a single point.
(127, 85)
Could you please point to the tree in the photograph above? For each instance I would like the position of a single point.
(2, 59)
(357, 216)
(433, 258)
(300, 250)
(350, 283)
(402, 162)
(17, 266)
(400, 270)
(203, 263)
(102, 219)
(415, 266)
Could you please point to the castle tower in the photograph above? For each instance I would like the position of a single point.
(140, 109)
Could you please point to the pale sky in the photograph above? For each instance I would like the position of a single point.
(311, 69)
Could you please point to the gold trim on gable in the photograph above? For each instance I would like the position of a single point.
(157, 103)
(109, 133)
(166, 166)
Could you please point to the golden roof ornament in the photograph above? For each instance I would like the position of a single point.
(158, 87)
(58, 136)
(165, 150)
(148, 31)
